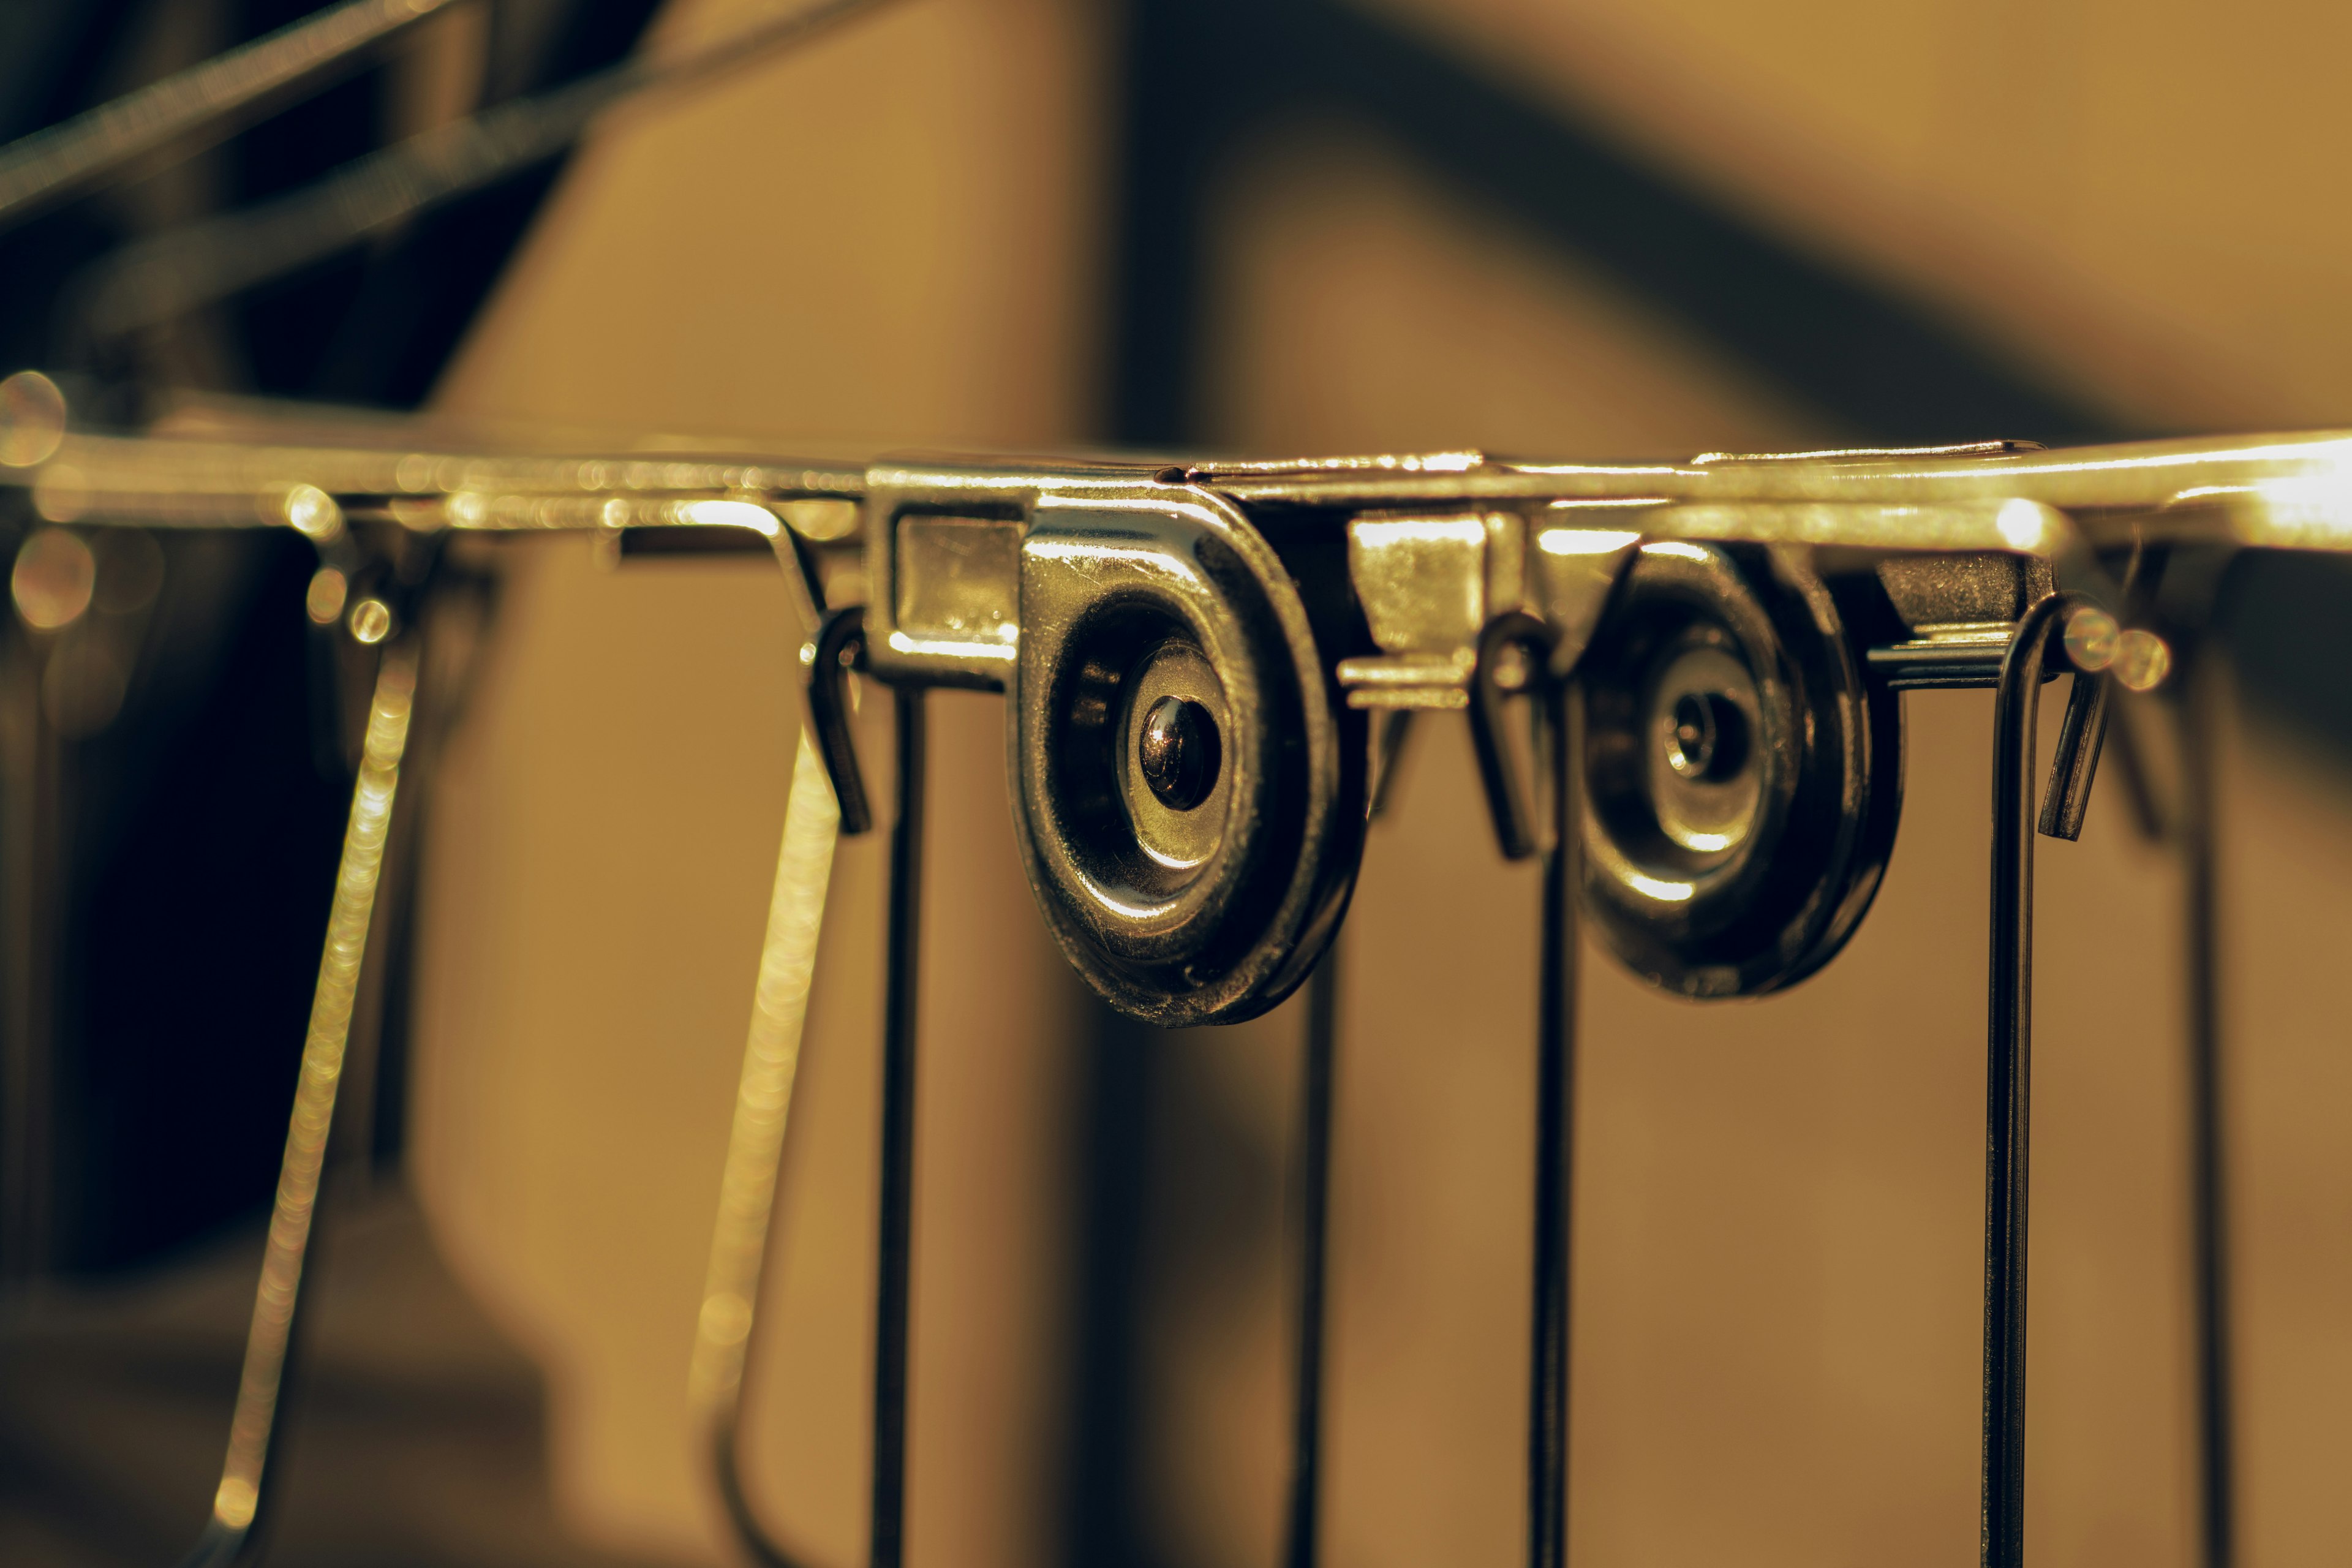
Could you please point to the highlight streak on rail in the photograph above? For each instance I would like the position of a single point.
(238, 1496)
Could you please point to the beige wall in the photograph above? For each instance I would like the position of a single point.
(879, 239)
(891, 238)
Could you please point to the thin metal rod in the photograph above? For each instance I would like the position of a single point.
(51, 164)
(255, 1431)
(155, 279)
(1302, 1532)
(2082, 734)
(2208, 1205)
(895, 1253)
(1548, 1389)
(2009, 1079)
(733, 1284)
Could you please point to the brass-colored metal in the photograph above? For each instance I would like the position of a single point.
(1430, 586)
(51, 164)
(238, 1498)
(1214, 911)
(1742, 771)
(1188, 651)
(1379, 575)
(763, 1103)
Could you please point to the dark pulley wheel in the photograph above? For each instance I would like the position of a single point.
(1743, 772)
(1189, 792)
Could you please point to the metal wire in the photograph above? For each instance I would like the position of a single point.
(255, 1431)
(755, 1143)
(155, 279)
(48, 166)
(1302, 1529)
(1555, 1208)
(2208, 1202)
(2009, 1079)
(894, 1266)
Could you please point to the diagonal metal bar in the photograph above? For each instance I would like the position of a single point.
(50, 166)
(255, 1429)
(181, 270)
(755, 1143)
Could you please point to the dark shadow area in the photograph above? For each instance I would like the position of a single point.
(421, 1431)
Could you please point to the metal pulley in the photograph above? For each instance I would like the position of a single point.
(1743, 771)
(1189, 797)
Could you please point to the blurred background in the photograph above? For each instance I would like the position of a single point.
(1555, 227)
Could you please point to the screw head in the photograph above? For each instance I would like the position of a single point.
(1708, 741)
(1177, 752)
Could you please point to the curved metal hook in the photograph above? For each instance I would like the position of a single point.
(1508, 795)
(839, 648)
(2009, 1072)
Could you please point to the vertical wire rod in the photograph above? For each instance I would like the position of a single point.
(755, 1142)
(2209, 1195)
(1302, 1532)
(893, 1264)
(254, 1429)
(1548, 1389)
(2009, 1079)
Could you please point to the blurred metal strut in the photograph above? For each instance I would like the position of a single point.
(50, 166)
(755, 1143)
(255, 1431)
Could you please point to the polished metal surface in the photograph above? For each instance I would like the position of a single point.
(1681, 681)
(731, 1289)
(256, 1430)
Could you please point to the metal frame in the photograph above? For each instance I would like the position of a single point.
(1485, 533)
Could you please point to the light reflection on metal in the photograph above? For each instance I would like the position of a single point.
(2092, 636)
(983, 571)
(763, 1102)
(371, 621)
(239, 1496)
(53, 579)
(51, 164)
(32, 419)
(312, 512)
(324, 599)
(2142, 661)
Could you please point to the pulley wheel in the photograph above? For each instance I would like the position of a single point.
(1743, 772)
(1190, 793)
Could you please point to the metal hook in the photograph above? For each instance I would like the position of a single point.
(2008, 1071)
(838, 648)
(1492, 683)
